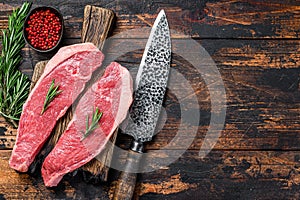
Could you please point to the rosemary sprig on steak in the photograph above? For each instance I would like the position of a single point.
(94, 123)
(51, 94)
(14, 85)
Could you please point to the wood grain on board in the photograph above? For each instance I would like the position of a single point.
(255, 46)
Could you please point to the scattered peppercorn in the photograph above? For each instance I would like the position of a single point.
(43, 29)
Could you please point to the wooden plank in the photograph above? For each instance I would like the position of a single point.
(231, 54)
(205, 19)
(219, 175)
(225, 175)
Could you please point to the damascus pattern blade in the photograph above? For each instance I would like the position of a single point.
(151, 82)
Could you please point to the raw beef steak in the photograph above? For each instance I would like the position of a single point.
(112, 95)
(70, 68)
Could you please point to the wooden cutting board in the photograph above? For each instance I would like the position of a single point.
(96, 25)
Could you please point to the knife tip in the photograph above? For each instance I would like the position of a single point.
(162, 12)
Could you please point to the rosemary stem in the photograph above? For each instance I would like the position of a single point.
(14, 85)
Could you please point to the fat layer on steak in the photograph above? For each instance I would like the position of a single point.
(112, 94)
(70, 68)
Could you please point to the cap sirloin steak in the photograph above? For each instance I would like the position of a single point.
(112, 94)
(71, 68)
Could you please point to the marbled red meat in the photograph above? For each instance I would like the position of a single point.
(71, 68)
(112, 94)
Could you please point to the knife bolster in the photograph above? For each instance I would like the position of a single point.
(137, 146)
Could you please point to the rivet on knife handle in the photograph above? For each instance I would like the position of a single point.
(126, 184)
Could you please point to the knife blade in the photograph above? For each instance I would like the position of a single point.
(150, 87)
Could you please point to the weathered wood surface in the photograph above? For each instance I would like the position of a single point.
(205, 19)
(255, 45)
(221, 175)
(97, 23)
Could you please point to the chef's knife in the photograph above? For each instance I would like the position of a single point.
(150, 87)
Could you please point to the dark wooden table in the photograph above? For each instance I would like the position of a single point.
(255, 45)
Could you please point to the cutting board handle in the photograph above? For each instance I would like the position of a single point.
(96, 25)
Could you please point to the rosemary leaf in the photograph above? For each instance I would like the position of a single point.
(94, 123)
(51, 94)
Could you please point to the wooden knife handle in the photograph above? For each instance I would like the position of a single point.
(126, 184)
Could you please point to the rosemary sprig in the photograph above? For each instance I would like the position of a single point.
(14, 86)
(51, 94)
(89, 128)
